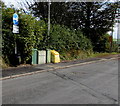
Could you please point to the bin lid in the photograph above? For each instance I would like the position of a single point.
(34, 49)
(48, 49)
(41, 52)
(54, 52)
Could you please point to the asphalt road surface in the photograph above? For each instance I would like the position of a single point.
(95, 83)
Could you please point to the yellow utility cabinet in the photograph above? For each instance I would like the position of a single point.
(55, 58)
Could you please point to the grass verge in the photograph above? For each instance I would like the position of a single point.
(103, 54)
(74, 55)
(3, 64)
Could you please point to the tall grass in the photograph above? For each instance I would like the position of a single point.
(75, 54)
(3, 64)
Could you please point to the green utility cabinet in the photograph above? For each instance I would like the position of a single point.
(34, 56)
(41, 57)
(48, 56)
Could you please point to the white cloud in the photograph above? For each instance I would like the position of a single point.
(15, 3)
(10, 2)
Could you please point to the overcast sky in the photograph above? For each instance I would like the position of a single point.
(15, 3)
(9, 2)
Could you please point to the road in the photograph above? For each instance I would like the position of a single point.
(95, 83)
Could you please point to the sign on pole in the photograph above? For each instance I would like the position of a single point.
(15, 19)
(110, 39)
(15, 29)
(15, 23)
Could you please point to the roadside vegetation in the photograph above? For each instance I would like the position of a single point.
(72, 35)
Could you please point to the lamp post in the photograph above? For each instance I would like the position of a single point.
(118, 30)
(48, 20)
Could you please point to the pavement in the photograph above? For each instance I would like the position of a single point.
(14, 72)
(90, 82)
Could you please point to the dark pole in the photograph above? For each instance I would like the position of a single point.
(111, 42)
(15, 46)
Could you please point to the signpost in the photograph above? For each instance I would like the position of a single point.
(111, 41)
(15, 31)
(15, 23)
(15, 28)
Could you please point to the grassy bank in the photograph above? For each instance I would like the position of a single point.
(103, 54)
(3, 64)
(74, 55)
(69, 56)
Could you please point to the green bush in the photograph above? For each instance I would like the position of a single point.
(30, 34)
(103, 44)
(114, 46)
(64, 39)
(8, 38)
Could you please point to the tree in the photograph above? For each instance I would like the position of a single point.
(58, 9)
(93, 18)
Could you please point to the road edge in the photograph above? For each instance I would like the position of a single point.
(55, 68)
